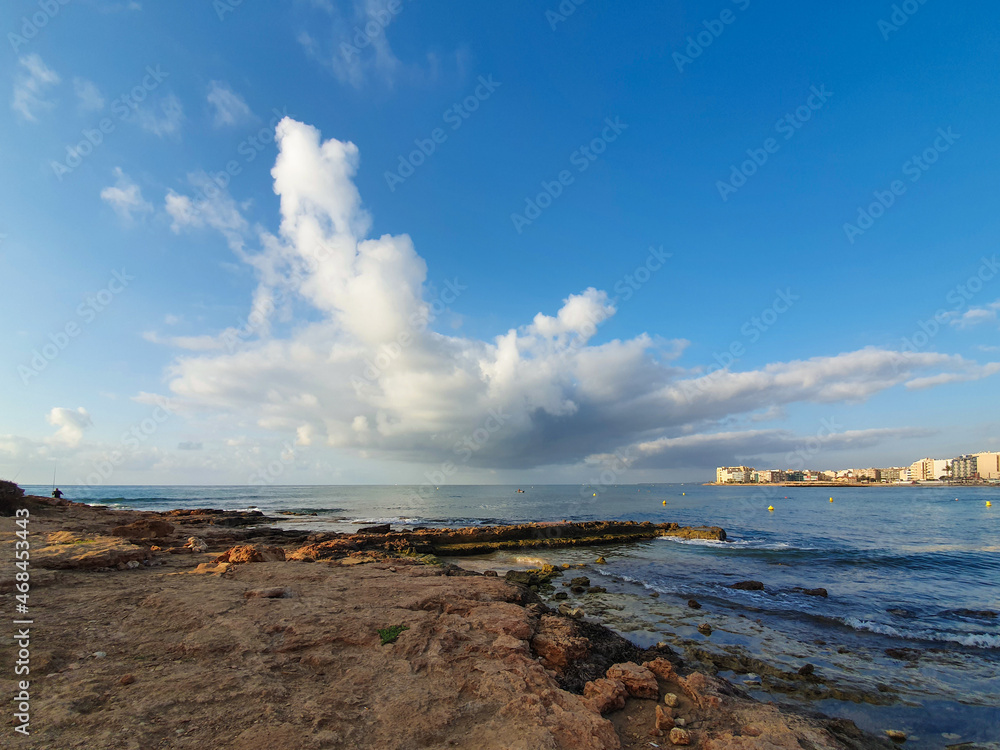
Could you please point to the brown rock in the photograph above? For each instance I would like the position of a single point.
(126, 679)
(144, 529)
(680, 736)
(694, 604)
(639, 681)
(806, 669)
(664, 718)
(705, 629)
(68, 551)
(670, 699)
(212, 568)
(557, 643)
(250, 553)
(605, 695)
(660, 667)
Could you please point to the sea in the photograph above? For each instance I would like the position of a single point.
(907, 638)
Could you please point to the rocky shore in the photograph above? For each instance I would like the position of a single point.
(205, 629)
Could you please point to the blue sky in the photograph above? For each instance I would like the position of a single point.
(577, 236)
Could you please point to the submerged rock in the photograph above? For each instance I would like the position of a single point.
(811, 592)
(694, 604)
(748, 586)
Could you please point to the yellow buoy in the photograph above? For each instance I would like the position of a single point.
(595, 494)
(664, 502)
(683, 493)
(770, 507)
(989, 504)
(831, 499)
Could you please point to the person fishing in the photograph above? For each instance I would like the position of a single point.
(57, 493)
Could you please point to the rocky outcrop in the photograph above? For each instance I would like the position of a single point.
(605, 695)
(638, 681)
(66, 550)
(10, 497)
(146, 528)
(251, 553)
(558, 643)
(482, 539)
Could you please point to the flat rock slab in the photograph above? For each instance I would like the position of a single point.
(68, 551)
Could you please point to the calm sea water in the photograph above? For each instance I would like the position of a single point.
(905, 567)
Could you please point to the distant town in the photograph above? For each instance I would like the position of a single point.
(972, 468)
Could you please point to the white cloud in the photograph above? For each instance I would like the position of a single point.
(125, 197)
(976, 315)
(30, 82)
(164, 118)
(71, 425)
(218, 212)
(364, 371)
(230, 109)
(89, 96)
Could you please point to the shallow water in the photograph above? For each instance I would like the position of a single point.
(905, 567)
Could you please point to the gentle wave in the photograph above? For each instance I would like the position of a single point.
(737, 544)
(974, 640)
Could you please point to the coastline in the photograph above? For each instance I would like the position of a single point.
(142, 641)
(834, 485)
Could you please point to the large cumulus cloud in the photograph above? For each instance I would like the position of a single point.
(368, 373)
